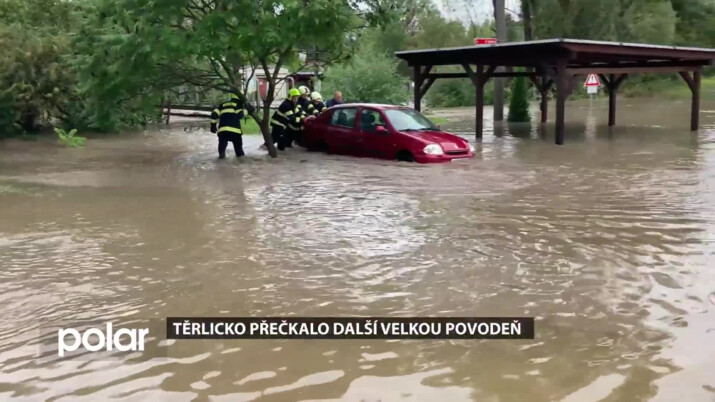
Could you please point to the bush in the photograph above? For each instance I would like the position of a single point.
(370, 76)
(458, 92)
(70, 138)
(519, 101)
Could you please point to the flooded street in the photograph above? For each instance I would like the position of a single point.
(609, 241)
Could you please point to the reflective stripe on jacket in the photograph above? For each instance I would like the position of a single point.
(227, 117)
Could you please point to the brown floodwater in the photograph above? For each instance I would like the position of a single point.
(609, 241)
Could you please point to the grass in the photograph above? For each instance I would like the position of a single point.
(674, 89)
(438, 120)
(250, 127)
(10, 189)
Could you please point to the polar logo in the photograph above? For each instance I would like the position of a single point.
(108, 340)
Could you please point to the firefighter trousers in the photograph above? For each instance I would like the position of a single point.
(223, 140)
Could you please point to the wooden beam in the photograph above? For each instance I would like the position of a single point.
(534, 80)
(448, 75)
(688, 80)
(465, 75)
(627, 70)
(660, 52)
(197, 115)
(471, 74)
(489, 74)
(605, 80)
(637, 64)
(191, 107)
(620, 80)
(426, 86)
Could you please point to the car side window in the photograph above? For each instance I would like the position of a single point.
(370, 119)
(343, 117)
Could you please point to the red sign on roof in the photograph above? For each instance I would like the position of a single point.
(592, 81)
(485, 41)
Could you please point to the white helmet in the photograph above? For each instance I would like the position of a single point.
(304, 90)
(316, 97)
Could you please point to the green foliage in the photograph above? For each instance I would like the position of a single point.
(35, 81)
(457, 93)
(451, 93)
(70, 138)
(430, 30)
(11, 189)
(685, 22)
(651, 22)
(370, 76)
(696, 22)
(150, 48)
(250, 127)
(519, 101)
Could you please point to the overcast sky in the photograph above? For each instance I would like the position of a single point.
(468, 11)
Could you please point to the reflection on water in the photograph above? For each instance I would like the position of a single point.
(608, 241)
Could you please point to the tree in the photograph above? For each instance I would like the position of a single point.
(370, 76)
(652, 22)
(36, 83)
(519, 101)
(152, 47)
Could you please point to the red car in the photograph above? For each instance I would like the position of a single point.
(382, 131)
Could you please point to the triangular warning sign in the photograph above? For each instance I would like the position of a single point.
(592, 81)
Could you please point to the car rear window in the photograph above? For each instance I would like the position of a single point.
(343, 117)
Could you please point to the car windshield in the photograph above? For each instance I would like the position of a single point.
(408, 120)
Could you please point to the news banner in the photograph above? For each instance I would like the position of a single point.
(350, 328)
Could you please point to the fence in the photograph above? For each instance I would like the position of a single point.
(168, 110)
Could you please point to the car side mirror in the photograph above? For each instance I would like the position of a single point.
(381, 129)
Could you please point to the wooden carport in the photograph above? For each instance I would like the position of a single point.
(558, 62)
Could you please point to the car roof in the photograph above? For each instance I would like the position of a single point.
(372, 105)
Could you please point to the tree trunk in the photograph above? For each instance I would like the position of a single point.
(27, 121)
(265, 126)
(500, 22)
(526, 9)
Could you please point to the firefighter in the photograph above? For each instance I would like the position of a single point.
(285, 119)
(302, 110)
(226, 123)
(317, 103)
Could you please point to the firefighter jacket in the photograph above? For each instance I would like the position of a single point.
(227, 116)
(286, 116)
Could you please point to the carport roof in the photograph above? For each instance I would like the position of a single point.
(580, 53)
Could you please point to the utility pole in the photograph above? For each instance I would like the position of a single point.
(500, 22)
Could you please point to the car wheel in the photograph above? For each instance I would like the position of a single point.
(405, 156)
(322, 146)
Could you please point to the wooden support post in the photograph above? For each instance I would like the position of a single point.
(479, 79)
(613, 82)
(168, 111)
(694, 84)
(418, 88)
(611, 100)
(480, 101)
(695, 106)
(562, 91)
(544, 89)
